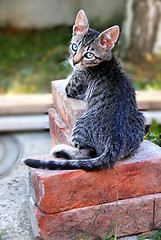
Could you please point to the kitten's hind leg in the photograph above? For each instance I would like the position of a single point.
(68, 152)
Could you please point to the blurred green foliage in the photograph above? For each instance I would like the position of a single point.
(146, 75)
(30, 60)
(154, 133)
(151, 236)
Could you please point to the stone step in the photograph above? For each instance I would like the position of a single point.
(132, 177)
(134, 215)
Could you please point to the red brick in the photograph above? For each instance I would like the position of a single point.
(68, 109)
(136, 176)
(59, 132)
(134, 215)
(157, 212)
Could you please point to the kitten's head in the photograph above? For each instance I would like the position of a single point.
(89, 48)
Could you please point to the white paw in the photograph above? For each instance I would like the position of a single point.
(58, 148)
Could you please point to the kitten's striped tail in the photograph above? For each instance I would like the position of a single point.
(94, 164)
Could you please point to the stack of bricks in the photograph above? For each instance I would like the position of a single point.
(63, 204)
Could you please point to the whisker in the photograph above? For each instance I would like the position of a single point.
(66, 64)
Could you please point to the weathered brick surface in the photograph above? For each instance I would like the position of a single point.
(157, 212)
(136, 176)
(68, 109)
(64, 203)
(134, 215)
(59, 132)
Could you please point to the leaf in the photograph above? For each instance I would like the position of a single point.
(94, 221)
(108, 233)
(84, 238)
(152, 134)
(142, 237)
(156, 235)
(154, 128)
(153, 236)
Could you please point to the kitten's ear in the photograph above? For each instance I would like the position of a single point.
(81, 23)
(108, 38)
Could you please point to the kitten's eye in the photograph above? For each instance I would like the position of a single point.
(89, 55)
(74, 47)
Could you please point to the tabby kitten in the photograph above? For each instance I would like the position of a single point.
(111, 127)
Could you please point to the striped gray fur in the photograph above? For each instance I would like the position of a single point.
(111, 128)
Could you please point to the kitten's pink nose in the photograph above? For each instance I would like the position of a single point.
(77, 58)
(75, 62)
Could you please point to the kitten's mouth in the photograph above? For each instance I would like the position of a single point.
(77, 66)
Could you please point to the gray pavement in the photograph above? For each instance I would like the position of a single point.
(14, 198)
(14, 203)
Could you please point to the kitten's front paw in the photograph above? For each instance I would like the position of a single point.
(71, 93)
(77, 145)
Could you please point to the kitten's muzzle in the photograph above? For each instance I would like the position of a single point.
(75, 62)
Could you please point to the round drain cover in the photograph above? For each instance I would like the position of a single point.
(10, 150)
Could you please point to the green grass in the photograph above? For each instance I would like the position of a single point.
(86, 237)
(152, 236)
(30, 60)
(154, 133)
(146, 75)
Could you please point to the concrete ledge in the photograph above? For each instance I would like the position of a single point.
(24, 122)
(149, 100)
(134, 216)
(25, 104)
